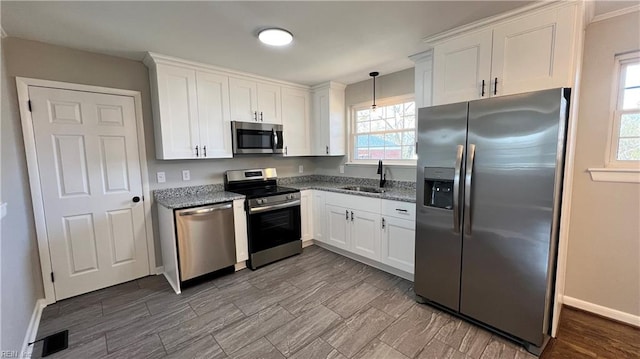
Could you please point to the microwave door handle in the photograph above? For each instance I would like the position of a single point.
(275, 139)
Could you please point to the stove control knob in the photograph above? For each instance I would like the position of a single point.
(259, 201)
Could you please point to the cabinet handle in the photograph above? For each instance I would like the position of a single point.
(197, 153)
(204, 149)
(495, 86)
(261, 119)
(401, 210)
(482, 93)
(255, 115)
(327, 149)
(351, 216)
(383, 224)
(346, 215)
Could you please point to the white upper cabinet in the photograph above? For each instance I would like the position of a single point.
(532, 51)
(328, 130)
(191, 113)
(459, 67)
(253, 101)
(213, 115)
(295, 121)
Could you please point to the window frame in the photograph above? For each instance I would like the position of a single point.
(616, 112)
(387, 101)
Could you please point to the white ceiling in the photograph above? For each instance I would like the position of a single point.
(341, 41)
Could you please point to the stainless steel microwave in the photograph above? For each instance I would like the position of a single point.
(249, 137)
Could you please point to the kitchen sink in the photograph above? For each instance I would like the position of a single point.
(363, 189)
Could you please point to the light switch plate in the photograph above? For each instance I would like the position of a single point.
(186, 175)
(160, 176)
(341, 169)
(3, 210)
(300, 169)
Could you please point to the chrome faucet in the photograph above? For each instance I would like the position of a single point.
(383, 176)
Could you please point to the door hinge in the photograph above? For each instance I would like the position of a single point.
(53, 279)
(29, 104)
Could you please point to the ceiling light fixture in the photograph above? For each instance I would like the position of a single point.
(374, 74)
(275, 37)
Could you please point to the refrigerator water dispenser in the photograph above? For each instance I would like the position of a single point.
(438, 187)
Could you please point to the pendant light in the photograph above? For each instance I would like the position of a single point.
(374, 74)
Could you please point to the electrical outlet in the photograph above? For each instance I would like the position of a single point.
(186, 175)
(160, 176)
(341, 169)
(300, 169)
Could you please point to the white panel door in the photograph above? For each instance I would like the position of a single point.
(178, 112)
(459, 67)
(398, 243)
(243, 100)
(319, 222)
(269, 103)
(534, 52)
(295, 121)
(87, 151)
(338, 227)
(365, 234)
(213, 114)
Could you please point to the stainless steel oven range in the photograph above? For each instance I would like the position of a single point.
(273, 215)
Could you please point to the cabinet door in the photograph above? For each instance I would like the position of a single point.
(533, 53)
(320, 123)
(295, 122)
(459, 67)
(306, 209)
(338, 227)
(365, 234)
(243, 100)
(319, 222)
(398, 243)
(213, 113)
(269, 105)
(177, 101)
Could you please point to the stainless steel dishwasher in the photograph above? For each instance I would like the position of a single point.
(206, 239)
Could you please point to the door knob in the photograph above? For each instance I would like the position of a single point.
(136, 199)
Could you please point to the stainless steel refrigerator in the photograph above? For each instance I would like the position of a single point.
(489, 184)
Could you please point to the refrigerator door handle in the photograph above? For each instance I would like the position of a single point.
(456, 189)
(467, 188)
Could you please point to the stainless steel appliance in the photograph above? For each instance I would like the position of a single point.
(488, 193)
(273, 215)
(254, 137)
(206, 239)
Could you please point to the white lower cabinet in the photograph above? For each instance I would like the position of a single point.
(380, 230)
(338, 227)
(398, 243)
(306, 214)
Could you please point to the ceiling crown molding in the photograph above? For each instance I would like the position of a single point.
(619, 12)
(537, 5)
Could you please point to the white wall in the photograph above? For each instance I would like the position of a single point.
(20, 265)
(603, 262)
(390, 85)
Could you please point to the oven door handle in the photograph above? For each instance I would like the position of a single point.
(274, 207)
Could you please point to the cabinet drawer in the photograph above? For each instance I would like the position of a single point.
(352, 202)
(399, 209)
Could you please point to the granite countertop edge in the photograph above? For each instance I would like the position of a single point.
(186, 201)
(394, 194)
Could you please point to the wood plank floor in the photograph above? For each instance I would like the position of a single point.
(586, 335)
(315, 305)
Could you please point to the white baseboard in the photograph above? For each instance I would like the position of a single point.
(603, 311)
(159, 270)
(307, 243)
(240, 265)
(32, 329)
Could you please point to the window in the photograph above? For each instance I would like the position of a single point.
(625, 141)
(388, 133)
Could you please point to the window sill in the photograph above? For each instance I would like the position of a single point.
(624, 175)
(385, 163)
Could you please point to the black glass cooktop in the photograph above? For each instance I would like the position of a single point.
(264, 192)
